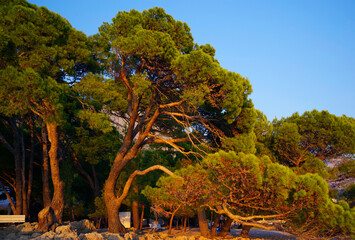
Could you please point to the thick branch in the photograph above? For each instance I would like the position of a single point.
(162, 140)
(141, 173)
(169, 142)
(244, 220)
(171, 104)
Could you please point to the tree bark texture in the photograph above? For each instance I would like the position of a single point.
(113, 215)
(58, 185)
(135, 214)
(203, 223)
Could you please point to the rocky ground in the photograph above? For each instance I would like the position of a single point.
(85, 230)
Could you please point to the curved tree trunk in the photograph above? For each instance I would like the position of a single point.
(113, 204)
(172, 218)
(114, 223)
(58, 195)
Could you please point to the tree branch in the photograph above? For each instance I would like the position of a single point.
(171, 104)
(141, 173)
(244, 220)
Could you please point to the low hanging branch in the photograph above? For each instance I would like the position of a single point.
(243, 220)
(141, 173)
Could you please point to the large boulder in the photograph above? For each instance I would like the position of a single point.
(46, 219)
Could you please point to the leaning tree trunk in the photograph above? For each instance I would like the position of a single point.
(141, 221)
(226, 228)
(58, 185)
(203, 223)
(172, 218)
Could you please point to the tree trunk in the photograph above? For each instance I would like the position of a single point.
(142, 216)
(226, 227)
(135, 214)
(185, 220)
(58, 185)
(114, 223)
(18, 184)
(23, 174)
(96, 182)
(245, 231)
(113, 203)
(45, 169)
(203, 223)
(171, 219)
(30, 167)
(215, 225)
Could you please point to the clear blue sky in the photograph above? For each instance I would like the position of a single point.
(299, 55)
